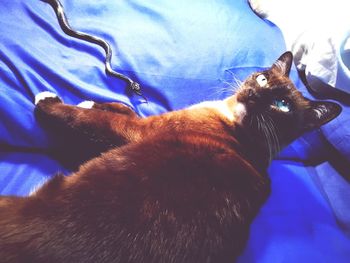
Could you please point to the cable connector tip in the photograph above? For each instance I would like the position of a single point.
(135, 87)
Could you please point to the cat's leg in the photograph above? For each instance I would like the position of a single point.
(80, 133)
(108, 106)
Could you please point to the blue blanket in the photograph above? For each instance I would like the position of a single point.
(181, 52)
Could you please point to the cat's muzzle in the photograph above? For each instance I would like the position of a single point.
(249, 97)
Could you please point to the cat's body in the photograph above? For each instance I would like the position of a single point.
(180, 187)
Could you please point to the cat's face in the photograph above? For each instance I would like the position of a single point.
(275, 111)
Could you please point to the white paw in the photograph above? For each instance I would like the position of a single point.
(43, 95)
(87, 104)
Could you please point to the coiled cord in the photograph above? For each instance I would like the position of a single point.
(65, 26)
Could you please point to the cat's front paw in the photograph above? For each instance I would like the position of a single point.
(46, 96)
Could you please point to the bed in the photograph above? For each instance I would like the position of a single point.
(181, 52)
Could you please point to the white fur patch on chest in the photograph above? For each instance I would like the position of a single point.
(232, 114)
(240, 112)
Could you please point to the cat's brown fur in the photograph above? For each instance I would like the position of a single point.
(180, 187)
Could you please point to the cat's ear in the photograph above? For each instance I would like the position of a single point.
(320, 113)
(284, 63)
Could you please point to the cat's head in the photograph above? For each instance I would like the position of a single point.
(273, 112)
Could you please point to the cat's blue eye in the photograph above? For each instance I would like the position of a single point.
(282, 105)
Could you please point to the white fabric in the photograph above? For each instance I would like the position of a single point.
(318, 34)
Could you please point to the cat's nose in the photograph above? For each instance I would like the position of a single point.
(250, 95)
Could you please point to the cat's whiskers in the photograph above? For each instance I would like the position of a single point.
(271, 136)
(268, 136)
(274, 133)
(235, 86)
(258, 122)
(229, 89)
(238, 82)
(251, 121)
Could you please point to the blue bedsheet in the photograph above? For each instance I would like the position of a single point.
(182, 52)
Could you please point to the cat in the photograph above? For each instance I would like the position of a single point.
(183, 186)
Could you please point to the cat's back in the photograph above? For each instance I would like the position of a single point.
(182, 196)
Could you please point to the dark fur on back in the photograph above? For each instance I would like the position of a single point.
(180, 187)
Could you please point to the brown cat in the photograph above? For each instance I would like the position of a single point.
(180, 187)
